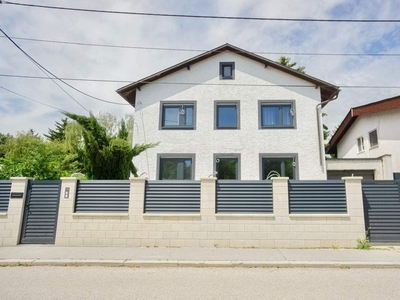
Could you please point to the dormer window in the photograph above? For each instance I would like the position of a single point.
(227, 70)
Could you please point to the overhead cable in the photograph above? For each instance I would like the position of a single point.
(200, 83)
(204, 16)
(55, 77)
(196, 50)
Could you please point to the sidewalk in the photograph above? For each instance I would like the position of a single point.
(35, 255)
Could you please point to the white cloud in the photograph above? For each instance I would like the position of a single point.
(128, 64)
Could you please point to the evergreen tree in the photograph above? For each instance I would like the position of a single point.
(58, 134)
(105, 156)
(285, 61)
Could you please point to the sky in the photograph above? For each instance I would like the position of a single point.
(89, 62)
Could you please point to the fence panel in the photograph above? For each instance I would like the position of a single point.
(5, 189)
(244, 196)
(172, 196)
(317, 197)
(382, 210)
(102, 196)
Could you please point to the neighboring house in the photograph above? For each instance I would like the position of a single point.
(232, 113)
(367, 142)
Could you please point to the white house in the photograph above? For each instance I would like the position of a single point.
(367, 142)
(232, 113)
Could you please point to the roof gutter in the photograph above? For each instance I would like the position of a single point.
(318, 110)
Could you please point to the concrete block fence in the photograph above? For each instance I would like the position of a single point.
(205, 229)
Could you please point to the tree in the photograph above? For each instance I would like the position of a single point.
(104, 154)
(285, 61)
(58, 134)
(29, 155)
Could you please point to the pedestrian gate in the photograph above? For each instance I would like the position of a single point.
(382, 210)
(41, 211)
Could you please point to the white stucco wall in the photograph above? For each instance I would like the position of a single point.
(386, 123)
(249, 140)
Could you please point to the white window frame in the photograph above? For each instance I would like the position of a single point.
(362, 144)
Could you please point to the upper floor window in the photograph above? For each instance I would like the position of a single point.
(226, 114)
(360, 144)
(373, 138)
(227, 70)
(277, 114)
(178, 115)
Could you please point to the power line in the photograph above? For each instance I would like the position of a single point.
(55, 77)
(30, 99)
(204, 16)
(201, 83)
(196, 50)
(42, 69)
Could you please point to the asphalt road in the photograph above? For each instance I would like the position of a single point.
(197, 283)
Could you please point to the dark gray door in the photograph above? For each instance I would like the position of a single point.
(382, 210)
(41, 211)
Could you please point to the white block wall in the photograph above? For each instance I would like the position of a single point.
(208, 229)
(249, 140)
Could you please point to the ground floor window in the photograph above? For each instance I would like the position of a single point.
(227, 166)
(278, 166)
(175, 168)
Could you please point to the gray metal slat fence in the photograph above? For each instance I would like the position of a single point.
(102, 196)
(317, 197)
(5, 189)
(382, 209)
(244, 196)
(172, 196)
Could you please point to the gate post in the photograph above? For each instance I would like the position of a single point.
(136, 196)
(66, 208)
(207, 201)
(355, 205)
(15, 213)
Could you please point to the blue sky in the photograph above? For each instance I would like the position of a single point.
(71, 61)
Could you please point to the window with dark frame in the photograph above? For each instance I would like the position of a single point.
(227, 115)
(277, 115)
(227, 70)
(227, 167)
(176, 115)
(373, 138)
(278, 167)
(171, 168)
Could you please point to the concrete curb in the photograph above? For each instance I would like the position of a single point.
(196, 264)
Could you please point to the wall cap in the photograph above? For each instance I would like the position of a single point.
(279, 178)
(69, 178)
(3, 214)
(319, 216)
(21, 178)
(171, 215)
(208, 178)
(244, 216)
(99, 215)
(138, 178)
(352, 178)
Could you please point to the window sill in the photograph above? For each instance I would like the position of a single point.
(227, 128)
(277, 127)
(373, 147)
(100, 215)
(360, 152)
(177, 128)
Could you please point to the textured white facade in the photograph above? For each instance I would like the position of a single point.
(248, 141)
(387, 124)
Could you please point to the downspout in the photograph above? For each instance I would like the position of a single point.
(318, 111)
